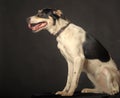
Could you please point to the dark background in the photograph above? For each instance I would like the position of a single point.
(31, 63)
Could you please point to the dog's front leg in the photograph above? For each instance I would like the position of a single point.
(69, 76)
(76, 70)
(69, 79)
(78, 67)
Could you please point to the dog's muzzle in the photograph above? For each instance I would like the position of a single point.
(36, 26)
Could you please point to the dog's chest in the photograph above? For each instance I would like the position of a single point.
(70, 41)
(68, 47)
(64, 49)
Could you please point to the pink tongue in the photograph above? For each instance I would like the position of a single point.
(37, 26)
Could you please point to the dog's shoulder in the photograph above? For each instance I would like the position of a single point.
(93, 49)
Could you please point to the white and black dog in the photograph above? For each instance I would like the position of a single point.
(82, 52)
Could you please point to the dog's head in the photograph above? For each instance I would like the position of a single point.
(43, 19)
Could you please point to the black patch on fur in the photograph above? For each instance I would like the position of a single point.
(94, 50)
(45, 13)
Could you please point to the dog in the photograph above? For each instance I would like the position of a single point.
(82, 52)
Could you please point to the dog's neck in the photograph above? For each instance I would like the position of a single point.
(60, 23)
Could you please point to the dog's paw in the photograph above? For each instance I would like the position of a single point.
(114, 91)
(89, 90)
(63, 93)
(58, 92)
(85, 90)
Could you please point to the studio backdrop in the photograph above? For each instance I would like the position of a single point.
(31, 63)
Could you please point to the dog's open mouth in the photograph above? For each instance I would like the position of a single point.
(37, 26)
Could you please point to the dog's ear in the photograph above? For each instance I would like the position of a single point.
(58, 12)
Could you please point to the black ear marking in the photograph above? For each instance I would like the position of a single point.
(94, 50)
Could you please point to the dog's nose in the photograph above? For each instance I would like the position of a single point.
(28, 19)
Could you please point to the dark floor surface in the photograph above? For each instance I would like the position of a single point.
(76, 95)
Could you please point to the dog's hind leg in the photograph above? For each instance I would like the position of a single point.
(91, 90)
(115, 81)
(112, 81)
(106, 81)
